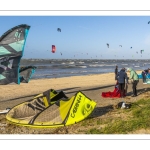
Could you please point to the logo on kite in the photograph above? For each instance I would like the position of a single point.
(107, 45)
(53, 49)
(58, 29)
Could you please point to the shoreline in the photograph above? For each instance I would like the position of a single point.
(53, 77)
(89, 83)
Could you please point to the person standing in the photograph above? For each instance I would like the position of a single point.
(116, 73)
(135, 80)
(144, 74)
(122, 80)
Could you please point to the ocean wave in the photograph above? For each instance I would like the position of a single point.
(97, 65)
(71, 63)
(111, 65)
(81, 62)
(125, 64)
(83, 66)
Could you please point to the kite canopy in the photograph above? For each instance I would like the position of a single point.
(142, 51)
(107, 45)
(26, 73)
(13, 41)
(52, 109)
(53, 49)
(12, 45)
(58, 29)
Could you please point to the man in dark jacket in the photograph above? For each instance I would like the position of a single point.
(116, 72)
(122, 77)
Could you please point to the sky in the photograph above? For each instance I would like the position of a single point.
(84, 37)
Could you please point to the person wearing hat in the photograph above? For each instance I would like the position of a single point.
(135, 80)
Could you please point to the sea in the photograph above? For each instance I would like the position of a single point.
(57, 68)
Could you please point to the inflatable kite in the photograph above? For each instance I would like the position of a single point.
(142, 51)
(58, 29)
(26, 73)
(115, 94)
(107, 45)
(53, 49)
(12, 45)
(52, 109)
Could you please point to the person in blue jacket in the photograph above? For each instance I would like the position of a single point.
(122, 80)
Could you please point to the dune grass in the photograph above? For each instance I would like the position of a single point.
(135, 118)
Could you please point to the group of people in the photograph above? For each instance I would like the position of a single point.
(123, 80)
(145, 73)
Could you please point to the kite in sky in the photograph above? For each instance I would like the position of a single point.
(58, 29)
(107, 45)
(142, 51)
(53, 49)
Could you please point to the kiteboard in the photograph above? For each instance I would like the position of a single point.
(5, 111)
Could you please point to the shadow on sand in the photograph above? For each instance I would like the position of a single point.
(32, 95)
(139, 91)
(99, 111)
(97, 88)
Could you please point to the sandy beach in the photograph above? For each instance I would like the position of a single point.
(91, 85)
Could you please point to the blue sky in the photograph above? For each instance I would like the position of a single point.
(84, 37)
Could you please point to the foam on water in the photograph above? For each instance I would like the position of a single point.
(51, 68)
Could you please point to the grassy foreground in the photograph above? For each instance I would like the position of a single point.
(103, 120)
(123, 121)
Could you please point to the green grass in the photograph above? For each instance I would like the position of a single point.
(137, 117)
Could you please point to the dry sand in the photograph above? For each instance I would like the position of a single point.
(91, 85)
